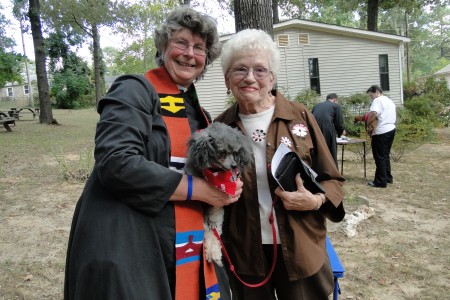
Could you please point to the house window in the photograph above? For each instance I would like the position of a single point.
(10, 92)
(26, 90)
(314, 78)
(384, 72)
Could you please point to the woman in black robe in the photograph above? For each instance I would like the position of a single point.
(122, 240)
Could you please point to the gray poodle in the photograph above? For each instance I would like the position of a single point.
(217, 148)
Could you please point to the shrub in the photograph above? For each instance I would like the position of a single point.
(410, 136)
(425, 106)
(308, 97)
(70, 90)
(421, 107)
(437, 90)
(356, 104)
(412, 89)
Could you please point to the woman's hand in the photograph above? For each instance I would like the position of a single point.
(215, 197)
(300, 200)
(203, 191)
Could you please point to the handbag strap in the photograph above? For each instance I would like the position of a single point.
(274, 259)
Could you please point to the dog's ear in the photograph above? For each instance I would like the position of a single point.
(200, 150)
(246, 151)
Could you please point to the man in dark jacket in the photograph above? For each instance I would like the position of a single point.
(329, 117)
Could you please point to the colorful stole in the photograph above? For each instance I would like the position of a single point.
(188, 215)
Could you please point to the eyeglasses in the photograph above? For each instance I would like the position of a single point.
(241, 72)
(184, 45)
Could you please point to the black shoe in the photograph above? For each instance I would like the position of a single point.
(373, 184)
(390, 181)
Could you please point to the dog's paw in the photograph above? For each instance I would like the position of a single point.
(213, 250)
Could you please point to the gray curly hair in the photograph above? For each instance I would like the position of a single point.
(185, 17)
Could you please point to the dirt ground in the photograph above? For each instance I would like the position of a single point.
(399, 252)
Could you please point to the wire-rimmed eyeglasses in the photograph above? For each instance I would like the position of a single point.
(184, 45)
(242, 72)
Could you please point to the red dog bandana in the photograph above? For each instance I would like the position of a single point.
(222, 179)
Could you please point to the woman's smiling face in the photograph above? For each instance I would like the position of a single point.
(184, 66)
(252, 89)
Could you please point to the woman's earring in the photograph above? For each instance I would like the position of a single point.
(228, 92)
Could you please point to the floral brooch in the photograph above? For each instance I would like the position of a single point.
(300, 130)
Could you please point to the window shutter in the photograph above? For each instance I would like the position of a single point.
(283, 40)
(303, 39)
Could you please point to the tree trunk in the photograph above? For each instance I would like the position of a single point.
(46, 114)
(276, 19)
(408, 54)
(96, 54)
(255, 14)
(372, 15)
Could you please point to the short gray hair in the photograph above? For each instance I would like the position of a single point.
(250, 39)
(185, 17)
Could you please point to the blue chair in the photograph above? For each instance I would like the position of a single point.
(337, 267)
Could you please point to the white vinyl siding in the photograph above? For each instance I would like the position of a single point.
(212, 91)
(348, 64)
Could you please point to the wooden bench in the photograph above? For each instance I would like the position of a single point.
(5, 120)
(18, 112)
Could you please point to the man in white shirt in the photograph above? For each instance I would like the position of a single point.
(383, 136)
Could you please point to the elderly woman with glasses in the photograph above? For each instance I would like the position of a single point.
(294, 244)
(137, 230)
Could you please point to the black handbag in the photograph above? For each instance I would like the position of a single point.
(290, 165)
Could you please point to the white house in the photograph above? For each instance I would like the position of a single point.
(444, 73)
(326, 58)
(19, 93)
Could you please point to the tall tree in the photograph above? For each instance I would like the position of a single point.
(275, 14)
(46, 114)
(10, 61)
(372, 15)
(109, 55)
(253, 14)
(138, 21)
(71, 75)
(86, 17)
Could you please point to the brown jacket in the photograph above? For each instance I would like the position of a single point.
(302, 233)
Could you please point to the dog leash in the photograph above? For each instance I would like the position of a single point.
(274, 259)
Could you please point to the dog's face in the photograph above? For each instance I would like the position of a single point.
(218, 147)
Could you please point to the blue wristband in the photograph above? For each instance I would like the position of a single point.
(189, 191)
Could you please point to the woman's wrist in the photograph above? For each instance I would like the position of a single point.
(189, 188)
(320, 200)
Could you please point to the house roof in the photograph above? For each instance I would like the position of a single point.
(336, 29)
(444, 70)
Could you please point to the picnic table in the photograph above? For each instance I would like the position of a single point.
(18, 112)
(6, 120)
